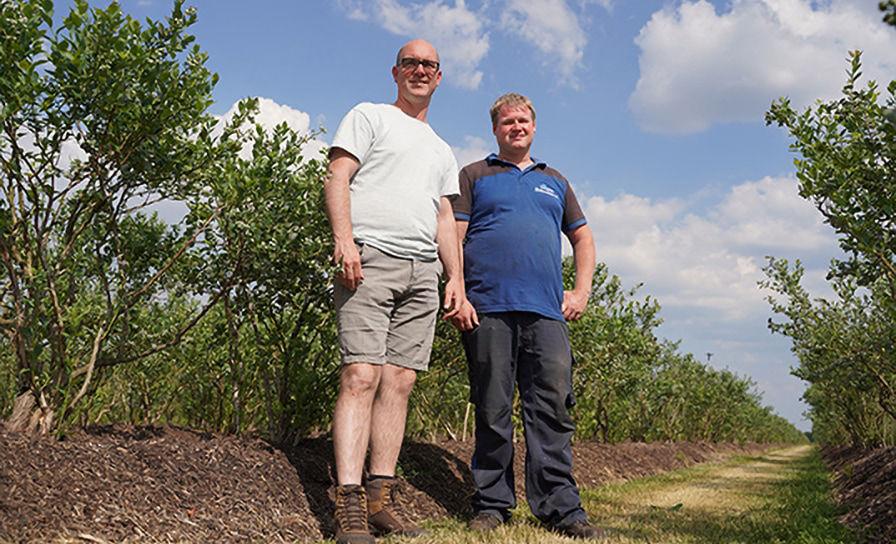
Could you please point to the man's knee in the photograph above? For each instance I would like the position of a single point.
(398, 381)
(554, 376)
(359, 379)
(494, 418)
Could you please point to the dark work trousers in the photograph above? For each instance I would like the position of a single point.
(533, 351)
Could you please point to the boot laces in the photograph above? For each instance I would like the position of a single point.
(352, 508)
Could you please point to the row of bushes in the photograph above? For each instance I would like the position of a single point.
(223, 322)
(247, 377)
(846, 343)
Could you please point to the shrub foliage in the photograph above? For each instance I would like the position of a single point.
(847, 168)
(223, 320)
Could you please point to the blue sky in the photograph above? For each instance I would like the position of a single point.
(653, 110)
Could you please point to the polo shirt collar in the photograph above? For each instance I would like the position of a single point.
(536, 163)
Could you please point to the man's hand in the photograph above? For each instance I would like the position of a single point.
(458, 309)
(346, 254)
(343, 166)
(454, 297)
(575, 301)
(574, 304)
(465, 319)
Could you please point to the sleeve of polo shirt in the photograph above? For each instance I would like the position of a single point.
(355, 133)
(573, 217)
(463, 203)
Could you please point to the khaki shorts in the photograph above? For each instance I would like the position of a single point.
(391, 317)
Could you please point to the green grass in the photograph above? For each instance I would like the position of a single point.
(805, 505)
(771, 499)
(777, 498)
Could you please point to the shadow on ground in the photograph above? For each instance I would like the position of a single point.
(435, 482)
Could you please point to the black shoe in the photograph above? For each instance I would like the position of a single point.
(581, 529)
(484, 522)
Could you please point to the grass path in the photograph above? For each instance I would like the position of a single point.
(779, 497)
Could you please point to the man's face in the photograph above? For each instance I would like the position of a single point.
(514, 129)
(417, 80)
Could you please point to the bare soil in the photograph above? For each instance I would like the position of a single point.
(125, 484)
(865, 480)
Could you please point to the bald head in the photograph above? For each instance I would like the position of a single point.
(416, 74)
(419, 48)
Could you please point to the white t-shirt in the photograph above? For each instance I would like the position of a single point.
(405, 169)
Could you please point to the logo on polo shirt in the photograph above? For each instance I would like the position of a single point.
(544, 189)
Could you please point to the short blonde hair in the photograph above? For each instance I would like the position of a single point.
(509, 99)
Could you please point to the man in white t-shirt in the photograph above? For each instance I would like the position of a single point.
(387, 197)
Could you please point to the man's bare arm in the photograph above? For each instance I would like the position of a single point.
(575, 301)
(343, 166)
(446, 238)
(461, 227)
(465, 317)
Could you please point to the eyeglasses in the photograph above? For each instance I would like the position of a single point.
(409, 64)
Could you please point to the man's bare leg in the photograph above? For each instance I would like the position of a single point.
(358, 385)
(390, 410)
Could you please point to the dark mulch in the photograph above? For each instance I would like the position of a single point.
(865, 481)
(168, 484)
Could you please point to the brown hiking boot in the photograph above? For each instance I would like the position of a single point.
(383, 515)
(351, 516)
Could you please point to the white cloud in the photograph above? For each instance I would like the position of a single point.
(701, 257)
(474, 149)
(708, 261)
(269, 115)
(606, 4)
(455, 31)
(759, 212)
(699, 66)
(69, 150)
(554, 29)
(354, 9)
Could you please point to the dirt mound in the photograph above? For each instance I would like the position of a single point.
(866, 485)
(169, 484)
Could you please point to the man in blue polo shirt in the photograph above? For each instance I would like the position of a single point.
(510, 213)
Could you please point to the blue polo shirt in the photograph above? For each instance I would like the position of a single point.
(512, 260)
